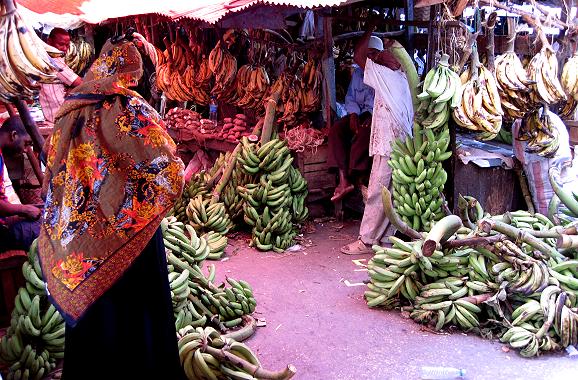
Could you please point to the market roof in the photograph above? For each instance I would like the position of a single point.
(210, 11)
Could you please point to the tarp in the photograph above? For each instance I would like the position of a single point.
(210, 11)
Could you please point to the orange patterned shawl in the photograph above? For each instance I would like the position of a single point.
(112, 174)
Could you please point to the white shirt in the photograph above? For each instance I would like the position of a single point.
(392, 110)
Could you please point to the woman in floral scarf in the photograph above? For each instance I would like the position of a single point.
(112, 174)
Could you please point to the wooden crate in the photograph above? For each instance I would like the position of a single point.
(11, 279)
(313, 166)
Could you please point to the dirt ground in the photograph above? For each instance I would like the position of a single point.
(318, 322)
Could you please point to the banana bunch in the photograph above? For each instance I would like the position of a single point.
(34, 341)
(568, 108)
(543, 72)
(570, 85)
(563, 201)
(205, 354)
(196, 186)
(480, 107)
(206, 216)
(541, 135)
(184, 310)
(79, 55)
(513, 85)
(444, 302)
(277, 200)
(223, 65)
(440, 87)
(289, 106)
(252, 85)
(217, 243)
(310, 89)
(25, 59)
(418, 176)
(192, 248)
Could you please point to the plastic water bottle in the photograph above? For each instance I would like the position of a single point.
(442, 373)
(213, 110)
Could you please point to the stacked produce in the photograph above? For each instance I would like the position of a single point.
(25, 60)
(513, 85)
(276, 198)
(234, 128)
(206, 354)
(479, 108)
(540, 133)
(195, 187)
(569, 82)
(504, 277)
(196, 299)
(79, 55)
(182, 118)
(439, 92)
(35, 339)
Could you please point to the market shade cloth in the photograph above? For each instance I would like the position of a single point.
(210, 11)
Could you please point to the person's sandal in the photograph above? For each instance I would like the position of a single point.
(356, 248)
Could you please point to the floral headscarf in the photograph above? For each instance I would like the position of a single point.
(112, 174)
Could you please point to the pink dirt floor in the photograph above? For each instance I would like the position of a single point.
(323, 327)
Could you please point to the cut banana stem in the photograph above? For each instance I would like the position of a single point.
(440, 232)
(567, 241)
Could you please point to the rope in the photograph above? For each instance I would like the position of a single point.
(302, 137)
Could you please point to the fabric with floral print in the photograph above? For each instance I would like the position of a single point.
(112, 174)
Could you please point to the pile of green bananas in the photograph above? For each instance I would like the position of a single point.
(193, 249)
(34, 342)
(206, 354)
(516, 285)
(440, 90)
(205, 216)
(195, 187)
(276, 199)
(418, 176)
(217, 244)
(197, 300)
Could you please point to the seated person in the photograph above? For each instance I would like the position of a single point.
(19, 224)
(348, 141)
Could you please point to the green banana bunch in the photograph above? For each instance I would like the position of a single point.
(418, 176)
(193, 249)
(205, 216)
(196, 186)
(440, 91)
(206, 354)
(217, 244)
(34, 341)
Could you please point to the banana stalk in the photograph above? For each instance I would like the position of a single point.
(567, 241)
(409, 68)
(440, 233)
(489, 225)
(394, 218)
(473, 241)
(249, 328)
(226, 174)
(256, 371)
(269, 117)
(525, 190)
(567, 199)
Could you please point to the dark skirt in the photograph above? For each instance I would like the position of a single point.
(129, 333)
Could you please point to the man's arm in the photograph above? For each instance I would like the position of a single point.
(386, 57)
(26, 211)
(360, 51)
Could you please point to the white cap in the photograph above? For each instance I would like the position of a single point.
(375, 43)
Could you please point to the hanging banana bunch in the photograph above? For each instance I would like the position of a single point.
(540, 133)
(310, 89)
(480, 107)
(223, 65)
(79, 55)
(25, 60)
(569, 82)
(252, 82)
(514, 85)
(543, 72)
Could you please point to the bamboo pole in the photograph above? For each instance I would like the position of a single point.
(31, 128)
(35, 164)
(490, 24)
(512, 9)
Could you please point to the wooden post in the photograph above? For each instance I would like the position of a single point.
(269, 117)
(431, 37)
(35, 164)
(30, 125)
(324, 29)
(409, 30)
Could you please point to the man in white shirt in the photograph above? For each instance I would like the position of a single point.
(392, 118)
(52, 94)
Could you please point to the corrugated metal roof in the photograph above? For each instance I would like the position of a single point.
(210, 11)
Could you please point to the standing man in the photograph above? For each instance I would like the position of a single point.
(392, 118)
(52, 94)
(349, 136)
(19, 224)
